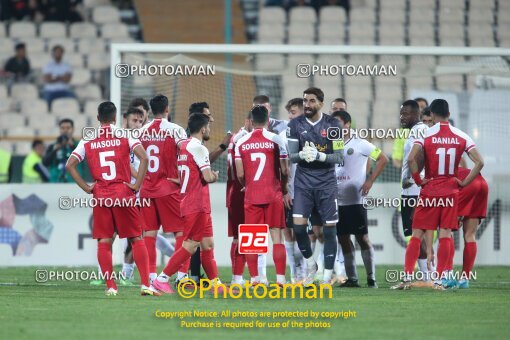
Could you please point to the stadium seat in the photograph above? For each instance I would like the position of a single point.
(359, 108)
(3, 30)
(362, 15)
(449, 60)
(34, 45)
(421, 30)
(358, 92)
(385, 114)
(389, 81)
(421, 16)
(392, 41)
(74, 59)
(3, 91)
(24, 92)
(481, 16)
(272, 16)
(83, 30)
(39, 60)
(295, 59)
(89, 91)
(114, 30)
(395, 16)
(450, 83)
(481, 30)
(11, 121)
(301, 31)
(422, 41)
(63, 106)
(6, 105)
(105, 14)
(331, 40)
(98, 61)
(389, 92)
(302, 15)
(331, 59)
(67, 44)
(6, 145)
(91, 45)
(361, 59)
(423, 4)
(418, 83)
(81, 76)
(52, 30)
(481, 42)
(395, 4)
(23, 148)
(80, 121)
(90, 108)
(22, 29)
(331, 30)
(449, 15)
(42, 123)
(452, 42)
(332, 15)
(267, 62)
(291, 79)
(333, 83)
(390, 30)
(271, 32)
(451, 31)
(34, 107)
(6, 46)
(360, 31)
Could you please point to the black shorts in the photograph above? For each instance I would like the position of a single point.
(407, 210)
(324, 200)
(315, 217)
(353, 220)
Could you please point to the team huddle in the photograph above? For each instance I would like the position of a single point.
(302, 177)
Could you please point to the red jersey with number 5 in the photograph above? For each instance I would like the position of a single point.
(193, 158)
(109, 163)
(261, 151)
(443, 146)
(160, 138)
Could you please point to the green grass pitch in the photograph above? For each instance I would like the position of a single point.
(76, 310)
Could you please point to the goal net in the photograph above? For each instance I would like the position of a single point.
(374, 80)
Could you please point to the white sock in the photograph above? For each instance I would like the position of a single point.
(99, 270)
(262, 262)
(310, 262)
(422, 264)
(238, 278)
(127, 269)
(153, 276)
(181, 275)
(339, 268)
(255, 279)
(280, 278)
(318, 255)
(328, 273)
(163, 277)
(289, 247)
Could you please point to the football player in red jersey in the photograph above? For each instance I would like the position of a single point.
(160, 138)
(235, 204)
(473, 201)
(108, 159)
(262, 167)
(442, 148)
(195, 174)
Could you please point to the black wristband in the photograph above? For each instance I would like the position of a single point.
(223, 147)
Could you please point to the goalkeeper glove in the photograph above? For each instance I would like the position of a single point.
(316, 155)
(303, 154)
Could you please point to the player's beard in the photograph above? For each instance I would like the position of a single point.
(205, 137)
(310, 112)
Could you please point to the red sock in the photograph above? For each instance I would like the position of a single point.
(104, 257)
(412, 254)
(150, 245)
(443, 253)
(176, 261)
(178, 244)
(449, 263)
(469, 258)
(233, 251)
(209, 263)
(141, 258)
(253, 264)
(240, 262)
(279, 258)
